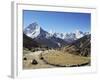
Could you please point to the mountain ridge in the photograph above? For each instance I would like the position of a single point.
(53, 40)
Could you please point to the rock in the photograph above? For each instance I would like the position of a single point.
(34, 62)
(41, 58)
(25, 58)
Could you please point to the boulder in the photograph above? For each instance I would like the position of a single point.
(34, 62)
(25, 58)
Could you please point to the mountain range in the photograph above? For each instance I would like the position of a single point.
(52, 40)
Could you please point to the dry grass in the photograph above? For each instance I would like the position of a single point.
(62, 58)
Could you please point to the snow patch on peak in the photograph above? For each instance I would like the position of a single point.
(33, 30)
(59, 35)
(79, 34)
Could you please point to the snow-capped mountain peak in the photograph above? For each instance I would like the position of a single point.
(59, 35)
(33, 30)
(79, 34)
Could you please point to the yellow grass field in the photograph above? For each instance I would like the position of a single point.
(62, 58)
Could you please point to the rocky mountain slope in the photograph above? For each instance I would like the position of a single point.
(81, 46)
(29, 42)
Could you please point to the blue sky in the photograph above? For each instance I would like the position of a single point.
(58, 21)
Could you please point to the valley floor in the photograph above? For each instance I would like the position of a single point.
(52, 58)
